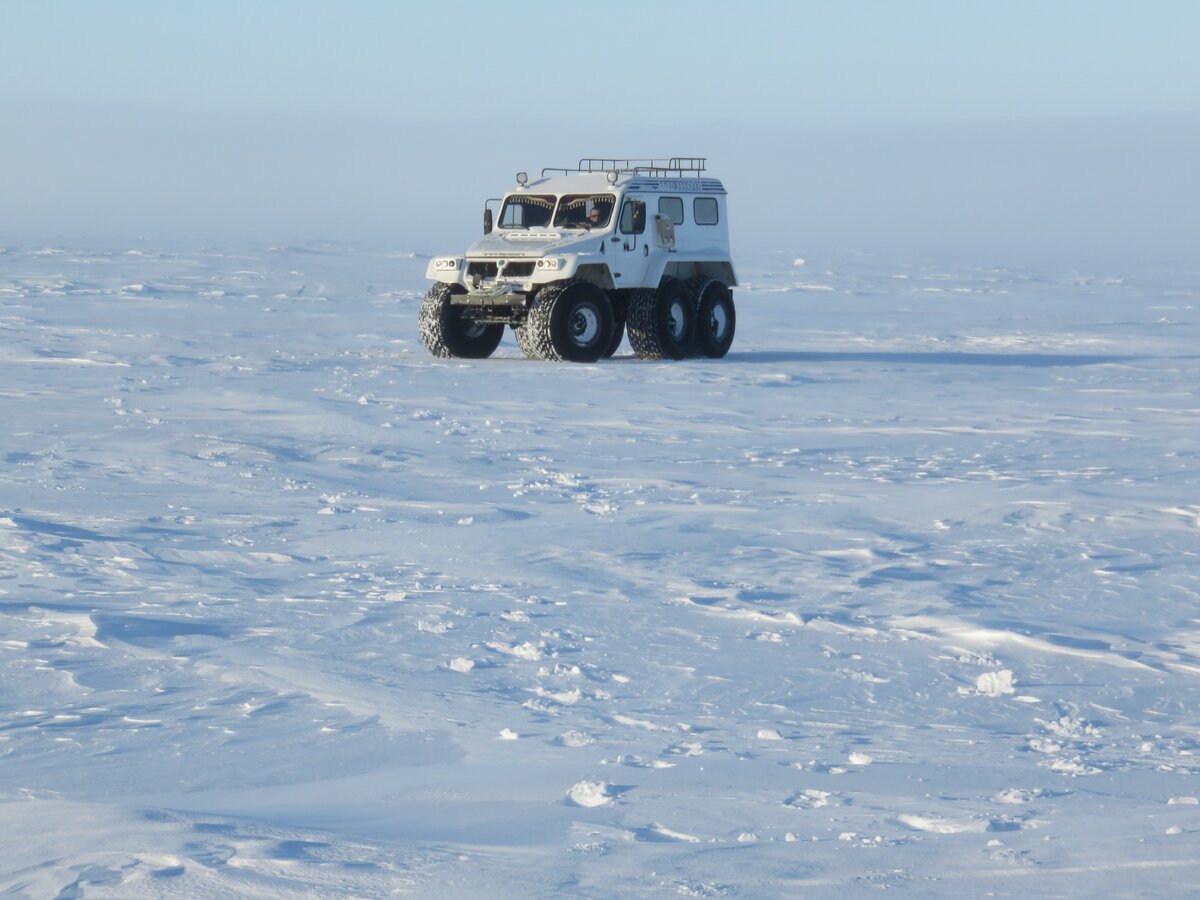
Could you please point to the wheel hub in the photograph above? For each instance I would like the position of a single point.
(718, 322)
(584, 325)
(677, 320)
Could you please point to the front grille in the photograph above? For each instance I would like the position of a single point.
(491, 269)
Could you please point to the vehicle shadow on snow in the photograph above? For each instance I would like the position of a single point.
(1029, 360)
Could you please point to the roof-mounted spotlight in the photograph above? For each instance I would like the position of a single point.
(522, 179)
(612, 177)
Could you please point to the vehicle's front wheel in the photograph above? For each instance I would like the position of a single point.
(448, 333)
(527, 340)
(660, 322)
(618, 334)
(574, 319)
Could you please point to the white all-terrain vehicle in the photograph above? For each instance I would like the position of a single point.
(579, 257)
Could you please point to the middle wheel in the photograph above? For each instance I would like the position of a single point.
(580, 322)
(660, 322)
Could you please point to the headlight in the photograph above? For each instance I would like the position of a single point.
(547, 263)
(445, 263)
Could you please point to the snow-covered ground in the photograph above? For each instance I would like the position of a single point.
(903, 593)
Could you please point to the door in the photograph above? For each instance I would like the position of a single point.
(631, 249)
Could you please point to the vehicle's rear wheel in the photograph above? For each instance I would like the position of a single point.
(573, 320)
(716, 320)
(448, 333)
(660, 322)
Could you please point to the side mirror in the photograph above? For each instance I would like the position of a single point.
(639, 217)
(487, 221)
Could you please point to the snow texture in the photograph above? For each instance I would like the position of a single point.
(903, 593)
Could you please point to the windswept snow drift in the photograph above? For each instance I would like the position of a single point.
(903, 592)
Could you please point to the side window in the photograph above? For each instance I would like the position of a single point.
(704, 210)
(633, 217)
(671, 208)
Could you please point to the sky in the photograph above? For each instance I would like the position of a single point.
(919, 126)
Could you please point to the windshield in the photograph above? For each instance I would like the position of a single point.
(584, 210)
(527, 211)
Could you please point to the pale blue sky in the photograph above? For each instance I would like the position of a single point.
(966, 126)
(862, 61)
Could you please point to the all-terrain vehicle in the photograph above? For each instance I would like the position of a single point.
(578, 257)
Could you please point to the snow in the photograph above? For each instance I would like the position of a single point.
(995, 684)
(591, 794)
(902, 593)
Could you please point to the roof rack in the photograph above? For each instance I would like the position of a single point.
(655, 167)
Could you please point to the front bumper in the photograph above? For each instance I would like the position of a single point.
(485, 295)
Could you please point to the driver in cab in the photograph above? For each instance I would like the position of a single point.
(597, 217)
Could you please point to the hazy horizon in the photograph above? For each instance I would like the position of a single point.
(1068, 187)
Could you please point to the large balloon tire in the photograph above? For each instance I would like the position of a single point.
(571, 321)
(528, 343)
(618, 334)
(661, 322)
(446, 331)
(716, 319)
